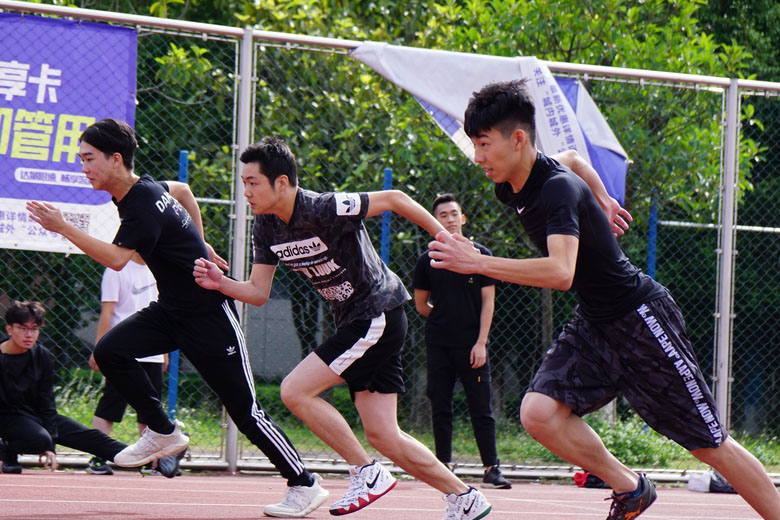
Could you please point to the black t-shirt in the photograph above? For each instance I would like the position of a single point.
(555, 201)
(160, 229)
(26, 386)
(456, 300)
(326, 241)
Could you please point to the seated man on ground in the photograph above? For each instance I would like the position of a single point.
(29, 422)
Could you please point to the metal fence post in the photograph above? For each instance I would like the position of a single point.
(722, 377)
(244, 130)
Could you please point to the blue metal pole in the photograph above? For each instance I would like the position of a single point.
(384, 252)
(652, 236)
(173, 358)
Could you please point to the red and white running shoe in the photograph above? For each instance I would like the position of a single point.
(367, 484)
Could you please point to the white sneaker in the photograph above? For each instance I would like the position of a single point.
(299, 500)
(468, 506)
(152, 446)
(367, 484)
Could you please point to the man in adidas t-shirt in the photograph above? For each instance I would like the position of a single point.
(322, 237)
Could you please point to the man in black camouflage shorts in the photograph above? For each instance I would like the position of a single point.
(627, 336)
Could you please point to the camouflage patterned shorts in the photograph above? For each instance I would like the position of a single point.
(645, 356)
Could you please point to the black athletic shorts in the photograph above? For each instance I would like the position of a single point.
(112, 404)
(645, 356)
(367, 353)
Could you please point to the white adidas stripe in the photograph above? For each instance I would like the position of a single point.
(265, 425)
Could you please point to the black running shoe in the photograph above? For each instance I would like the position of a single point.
(12, 468)
(169, 466)
(494, 479)
(627, 507)
(9, 460)
(98, 466)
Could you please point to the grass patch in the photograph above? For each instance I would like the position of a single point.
(629, 439)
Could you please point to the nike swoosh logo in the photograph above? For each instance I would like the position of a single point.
(373, 482)
(139, 290)
(520, 210)
(467, 510)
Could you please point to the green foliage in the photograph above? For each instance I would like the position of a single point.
(629, 439)
(755, 25)
(672, 135)
(346, 124)
(636, 444)
(160, 9)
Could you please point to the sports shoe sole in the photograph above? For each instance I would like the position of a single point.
(341, 512)
(107, 471)
(314, 504)
(484, 513)
(487, 485)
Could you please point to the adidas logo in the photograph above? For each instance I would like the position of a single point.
(230, 350)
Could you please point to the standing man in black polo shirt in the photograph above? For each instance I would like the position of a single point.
(161, 220)
(459, 310)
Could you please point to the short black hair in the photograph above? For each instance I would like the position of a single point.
(443, 199)
(112, 136)
(504, 106)
(21, 312)
(274, 157)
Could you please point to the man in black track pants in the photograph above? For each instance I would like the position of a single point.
(161, 220)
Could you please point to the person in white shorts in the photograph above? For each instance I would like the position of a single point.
(122, 293)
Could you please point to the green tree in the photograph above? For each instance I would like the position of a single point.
(346, 123)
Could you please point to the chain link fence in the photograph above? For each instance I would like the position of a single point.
(755, 390)
(346, 126)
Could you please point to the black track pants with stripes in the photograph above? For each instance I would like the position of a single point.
(214, 343)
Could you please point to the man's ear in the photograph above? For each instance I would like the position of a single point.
(282, 182)
(117, 160)
(519, 137)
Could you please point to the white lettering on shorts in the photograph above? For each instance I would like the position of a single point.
(685, 372)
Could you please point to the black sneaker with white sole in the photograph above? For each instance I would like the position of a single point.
(98, 466)
(494, 479)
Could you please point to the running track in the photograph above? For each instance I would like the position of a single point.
(72, 494)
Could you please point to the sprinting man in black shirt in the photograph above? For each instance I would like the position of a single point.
(627, 336)
(162, 222)
(459, 313)
(322, 237)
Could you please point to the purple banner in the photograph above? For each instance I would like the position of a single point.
(56, 78)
